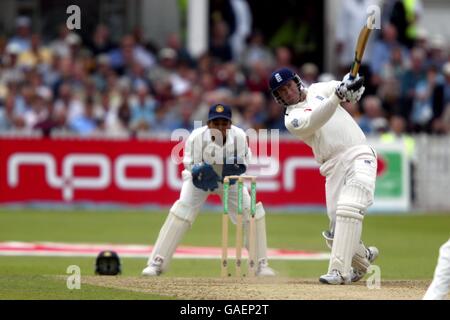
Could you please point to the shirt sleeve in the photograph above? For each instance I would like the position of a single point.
(305, 121)
(193, 152)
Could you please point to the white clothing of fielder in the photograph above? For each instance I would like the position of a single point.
(440, 287)
(199, 147)
(349, 165)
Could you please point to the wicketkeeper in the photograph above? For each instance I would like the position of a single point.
(315, 116)
(210, 153)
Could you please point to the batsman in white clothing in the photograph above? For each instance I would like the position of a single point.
(440, 287)
(315, 116)
(211, 153)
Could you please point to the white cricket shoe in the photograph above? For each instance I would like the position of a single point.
(334, 277)
(151, 271)
(371, 255)
(264, 270)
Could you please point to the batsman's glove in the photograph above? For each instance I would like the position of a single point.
(204, 177)
(233, 166)
(351, 90)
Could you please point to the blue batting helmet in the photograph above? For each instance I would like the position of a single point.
(279, 78)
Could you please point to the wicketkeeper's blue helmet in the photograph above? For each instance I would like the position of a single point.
(279, 78)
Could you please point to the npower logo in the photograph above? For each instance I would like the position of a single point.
(164, 170)
(68, 182)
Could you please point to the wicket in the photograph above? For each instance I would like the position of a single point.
(239, 225)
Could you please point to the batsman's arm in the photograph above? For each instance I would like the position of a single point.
(305, 121)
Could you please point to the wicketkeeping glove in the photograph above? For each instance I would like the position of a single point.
(204, 177)
(351, 90)
(233, 166)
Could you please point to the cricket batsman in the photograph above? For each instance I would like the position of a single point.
(439, 288)
(315, 116)
(211, 153)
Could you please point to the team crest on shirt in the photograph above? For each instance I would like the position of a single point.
(219, 108)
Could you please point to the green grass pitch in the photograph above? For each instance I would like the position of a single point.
(408, 247)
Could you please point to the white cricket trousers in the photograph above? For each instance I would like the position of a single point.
(350, 166)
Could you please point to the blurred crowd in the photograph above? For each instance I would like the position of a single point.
(95, 86)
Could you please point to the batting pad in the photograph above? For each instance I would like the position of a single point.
(347, 236)
(176, 225)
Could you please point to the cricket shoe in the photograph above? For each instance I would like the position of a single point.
(334, 277)
(264, 270)
(372, 254)
(151, 271)
(154, 269)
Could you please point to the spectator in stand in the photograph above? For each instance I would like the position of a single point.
(168, 71)
(9, 120)
(405, 15)
(275, 119)
(22, 38)
(422, 111)
(107, 115)
(101, 42)
(257, 77)
(142, 110)
(386, 52)
(441, 100)
(283, 58)
(59, 46)
(229, 76)
(372, 121)
(257, 53)
(437, 54)
(253, 106)
(85, 124)
(309, 74)
(124, 116)
(220, 47)
(39, 110)
(67, 107)
(174, 42)
(37, 55)
(397, 131)
(122, 58)
(410, 78)
(11, 71)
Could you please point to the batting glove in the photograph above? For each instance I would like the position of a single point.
(350, 90)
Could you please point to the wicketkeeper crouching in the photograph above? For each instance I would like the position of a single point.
(211, 153)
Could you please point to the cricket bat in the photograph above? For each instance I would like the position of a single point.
(361, 46)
